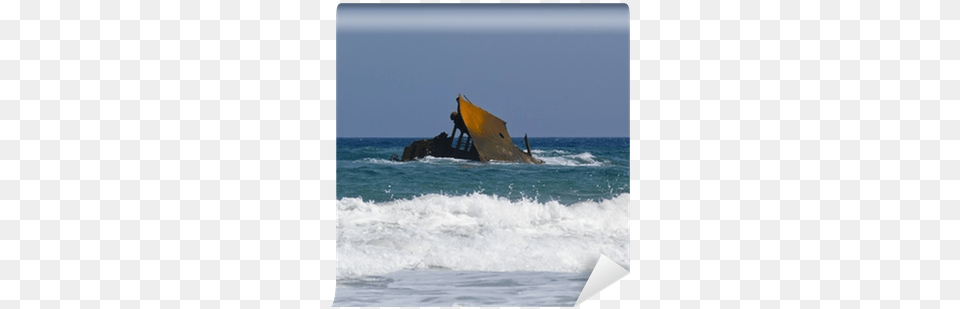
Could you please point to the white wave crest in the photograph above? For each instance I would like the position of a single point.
(427, 159)
(432, 159)
(570, 159)
(378, 161)
(548, 151)
(549, 157)
(478, 232)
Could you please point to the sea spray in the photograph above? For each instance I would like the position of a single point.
(478, 232)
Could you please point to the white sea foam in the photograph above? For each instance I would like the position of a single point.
(549, 157)
(427, 159)
(432, 159)
(478, 232)
(378, 161)
(563, 158)
(570, 159)
(548, 151)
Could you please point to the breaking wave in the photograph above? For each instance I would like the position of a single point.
(478, 232)
(560, 157)
(548, 151)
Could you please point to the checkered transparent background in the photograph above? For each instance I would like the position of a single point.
(163, 154)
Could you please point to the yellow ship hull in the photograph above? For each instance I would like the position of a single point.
(487, 139)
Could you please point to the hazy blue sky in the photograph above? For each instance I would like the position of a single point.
(553, 70)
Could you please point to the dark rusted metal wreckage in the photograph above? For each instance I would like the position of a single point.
(487, 139)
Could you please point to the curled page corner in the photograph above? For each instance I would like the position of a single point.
(604, 274)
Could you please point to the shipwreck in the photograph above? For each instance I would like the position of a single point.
(486, 140)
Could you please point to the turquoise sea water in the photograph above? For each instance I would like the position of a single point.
(444, 232)
(576, 169)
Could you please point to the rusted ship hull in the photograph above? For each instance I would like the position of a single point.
(486, 136)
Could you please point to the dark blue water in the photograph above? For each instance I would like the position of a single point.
(576, 169)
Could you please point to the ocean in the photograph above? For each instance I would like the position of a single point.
(452, 232)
